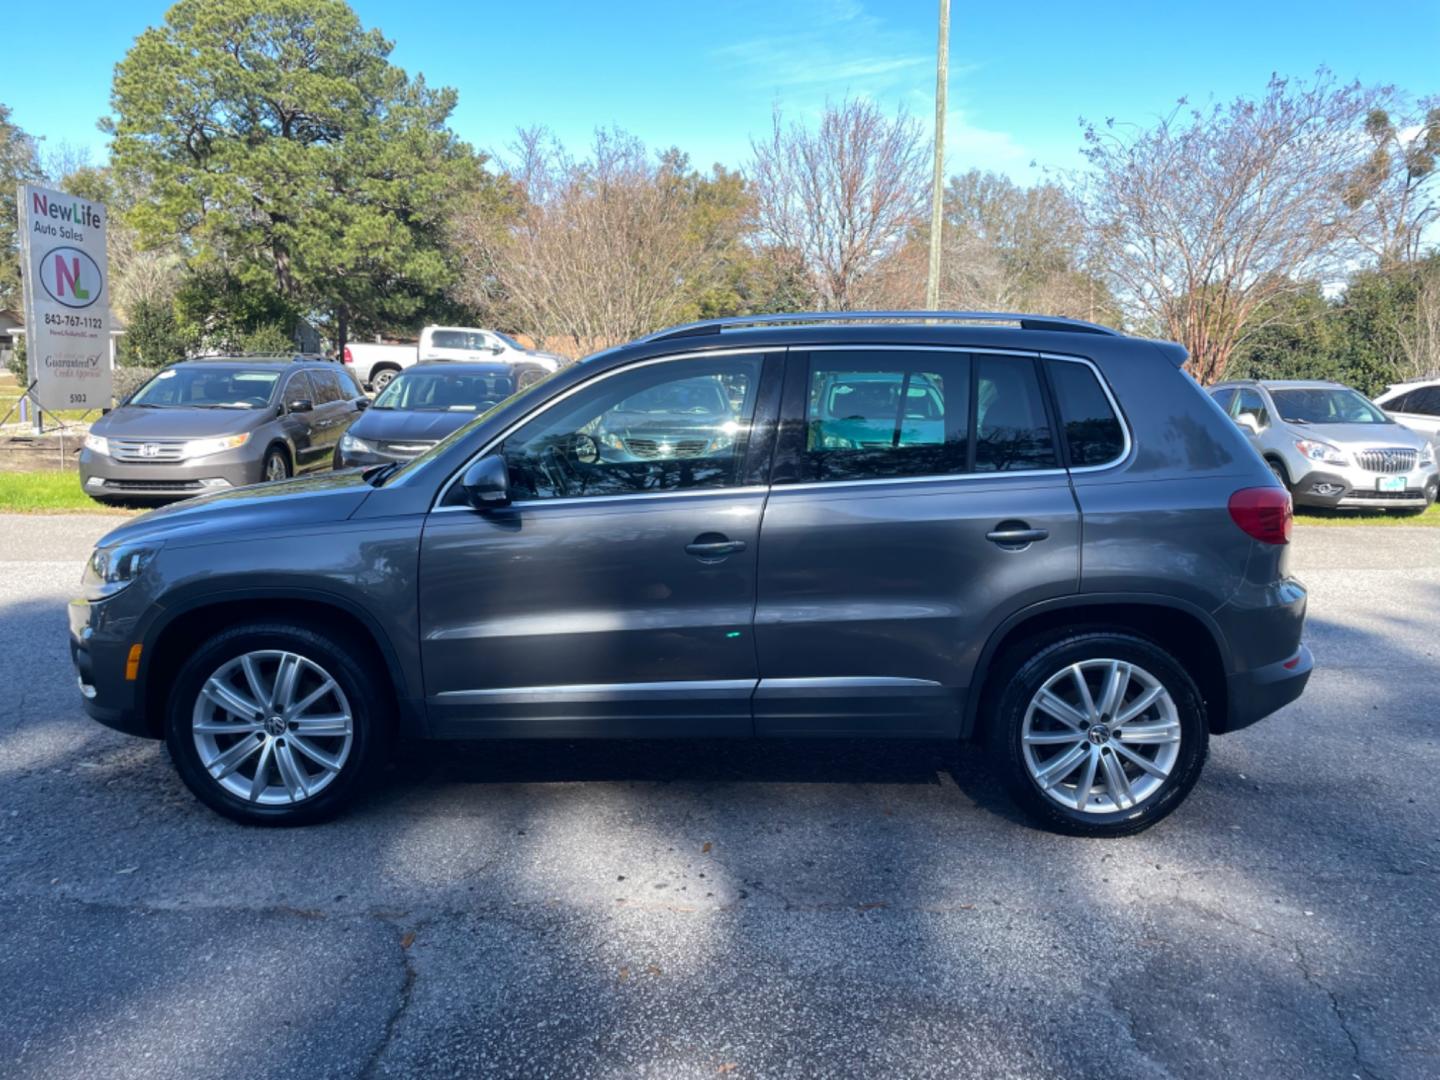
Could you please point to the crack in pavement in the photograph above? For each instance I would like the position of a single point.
(406, 995)
(1335, 1009)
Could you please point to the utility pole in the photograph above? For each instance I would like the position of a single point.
(937, 196)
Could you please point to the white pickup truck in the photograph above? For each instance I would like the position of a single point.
(375, 365)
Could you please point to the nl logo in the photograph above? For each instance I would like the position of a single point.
(70, 277)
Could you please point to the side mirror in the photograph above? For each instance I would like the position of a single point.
(487, 483)
(362, 403)
(303, 404)
(1249, 423)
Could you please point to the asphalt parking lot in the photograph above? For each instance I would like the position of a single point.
(703, 909)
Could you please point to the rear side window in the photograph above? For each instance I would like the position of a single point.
(891, 414)
(878, 415)
(327, 387)
(1093, 434)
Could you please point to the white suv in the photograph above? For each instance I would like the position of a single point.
(1416, 405)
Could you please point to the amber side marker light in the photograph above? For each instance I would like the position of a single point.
(132, 663)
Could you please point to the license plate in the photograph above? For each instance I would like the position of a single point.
(1390, 483)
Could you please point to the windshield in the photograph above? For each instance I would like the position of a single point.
(1326, 405)
(508, 340)
(693, 397)
(446, 391)
(208, 386)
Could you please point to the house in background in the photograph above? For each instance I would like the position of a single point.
(12, 329)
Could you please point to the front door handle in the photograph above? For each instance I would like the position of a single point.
(1014, 535)
(713, 546)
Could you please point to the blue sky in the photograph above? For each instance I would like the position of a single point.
(705, 77)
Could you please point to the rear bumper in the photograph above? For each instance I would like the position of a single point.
(1255, 694)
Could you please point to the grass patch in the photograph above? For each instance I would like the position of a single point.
(49, 492)
(1305, 515)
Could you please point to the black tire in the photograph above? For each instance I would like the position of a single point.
(1029, 667)
(364, 694)
(276, 465)
(1279, 470)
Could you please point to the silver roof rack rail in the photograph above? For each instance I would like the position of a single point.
(1024, 322)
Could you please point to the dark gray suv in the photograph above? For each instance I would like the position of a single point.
(217, 423)
(1026, 532)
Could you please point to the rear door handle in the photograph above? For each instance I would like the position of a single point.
(1016, 536)
(714, 549)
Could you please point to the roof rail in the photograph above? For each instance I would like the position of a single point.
(1025, 322)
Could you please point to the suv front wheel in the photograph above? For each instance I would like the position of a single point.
(275, 724)
(1099, 734)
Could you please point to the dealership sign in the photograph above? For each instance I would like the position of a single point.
(67, 299)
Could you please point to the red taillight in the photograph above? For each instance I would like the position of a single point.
(1263, 512)
(346, 355)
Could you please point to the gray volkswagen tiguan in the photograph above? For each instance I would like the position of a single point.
(1029, 533)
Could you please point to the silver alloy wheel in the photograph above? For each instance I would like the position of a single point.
(382, 379)
(275, 467)
(1101, 736)
(272, 727)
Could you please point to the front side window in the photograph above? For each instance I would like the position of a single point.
(1326, 405)
(327, 387)
(1249, 403)
(208, 386)
(1093, 434)
(299, 388)
(674, 426)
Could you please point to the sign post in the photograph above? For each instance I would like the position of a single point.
(67, 300)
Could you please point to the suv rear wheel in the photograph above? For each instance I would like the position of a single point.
(1099, 734)
(275, 724)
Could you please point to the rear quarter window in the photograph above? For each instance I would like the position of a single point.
(1093, 433)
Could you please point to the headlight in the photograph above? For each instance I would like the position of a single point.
(1427, 456)
(201, 447)
(97, 444)
(1321, 451)
(111, 569)
(352, 444)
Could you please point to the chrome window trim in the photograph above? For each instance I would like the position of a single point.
(581, 691)
(843, 682)
(577, 691)
(937, 478)
(573, 500)
(585, 384)
(1128, 442)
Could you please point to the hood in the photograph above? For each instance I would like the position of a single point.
(257, 509)
(137, 422)
(406, 425)
(1358, 436)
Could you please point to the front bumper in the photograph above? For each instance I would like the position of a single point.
(1353, 487)
(1255, 694)
(99, 648)
(102, 477)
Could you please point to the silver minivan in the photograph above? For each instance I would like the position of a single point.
(1330, 446)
